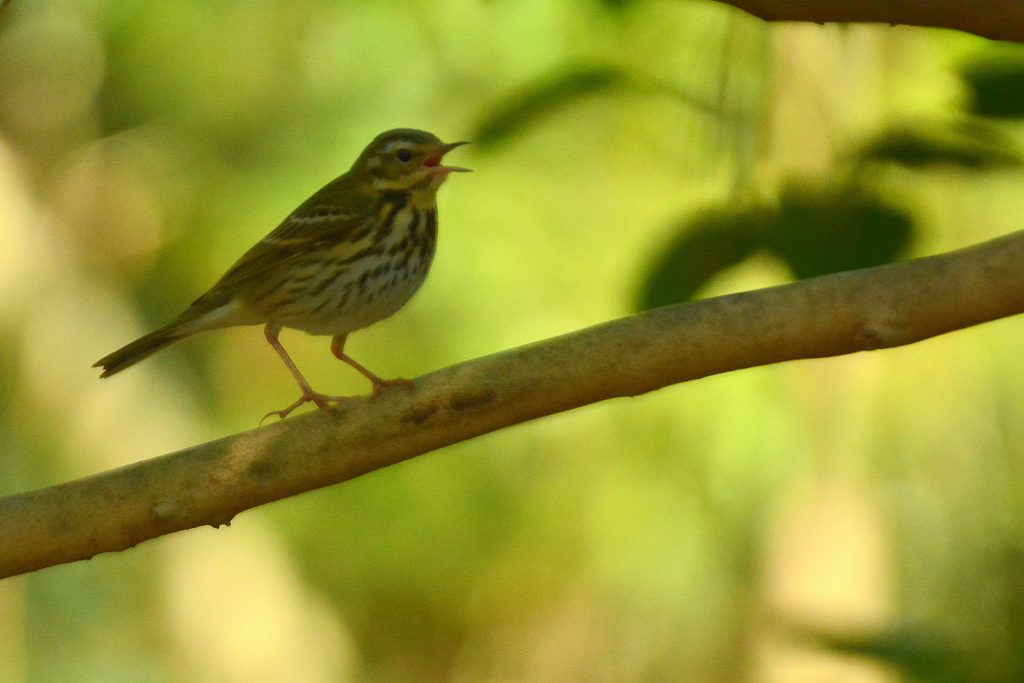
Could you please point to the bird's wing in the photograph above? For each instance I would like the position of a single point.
(296, 237)
(336, 219)
(302, 233)
(334, 215)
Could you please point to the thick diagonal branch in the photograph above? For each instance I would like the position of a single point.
(211, 483)
(996, 19)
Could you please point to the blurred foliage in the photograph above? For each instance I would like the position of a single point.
(547, 95)
(817, 232)
(537, 100)
(826, 229)
(967, 145)
(144, 146)
(814, 231)
(996, 84)
(705, 246)
(916, 651)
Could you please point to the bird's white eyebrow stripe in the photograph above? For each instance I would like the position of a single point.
(395, 144)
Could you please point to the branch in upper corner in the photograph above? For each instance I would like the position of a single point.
(995, 19)
(209, 484)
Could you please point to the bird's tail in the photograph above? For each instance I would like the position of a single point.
(140, 349)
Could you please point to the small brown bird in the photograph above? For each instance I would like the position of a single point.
(351, 255)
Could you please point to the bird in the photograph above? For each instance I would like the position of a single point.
(349, 256)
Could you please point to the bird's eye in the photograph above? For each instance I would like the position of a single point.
(404, 155)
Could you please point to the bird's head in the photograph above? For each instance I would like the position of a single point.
(405, 159)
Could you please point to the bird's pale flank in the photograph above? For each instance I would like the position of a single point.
(351, 255)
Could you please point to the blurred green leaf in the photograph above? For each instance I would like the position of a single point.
(996, 86)
(816, 231)
(819, 231)
(543, 97)
(703, 248)
(920, 653)
(968, 146)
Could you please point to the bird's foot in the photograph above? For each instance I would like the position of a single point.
(380, 385)
(322, 401)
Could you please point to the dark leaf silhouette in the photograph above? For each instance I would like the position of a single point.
(542, 98)
(703, 248)
(820, 231)
(919, 652)
(815, 231)
(967, 146)
(997, 87)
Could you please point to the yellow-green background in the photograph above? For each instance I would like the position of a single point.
(742, 527)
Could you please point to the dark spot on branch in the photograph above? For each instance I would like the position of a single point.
(262, 470)
(468, 401)
(869, 339)
(420, 415)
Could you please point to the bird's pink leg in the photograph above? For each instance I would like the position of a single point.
(323, 401)
(338, 349)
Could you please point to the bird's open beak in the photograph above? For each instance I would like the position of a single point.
(433, 163)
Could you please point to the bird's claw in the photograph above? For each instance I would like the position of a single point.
(322, 401)
(325, 402)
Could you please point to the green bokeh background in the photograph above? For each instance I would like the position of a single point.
(849, 519)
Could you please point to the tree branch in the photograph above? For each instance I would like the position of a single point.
(211, 483)
(995, 19)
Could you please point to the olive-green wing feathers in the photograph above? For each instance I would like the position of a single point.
(295, 238)
(333, 222)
